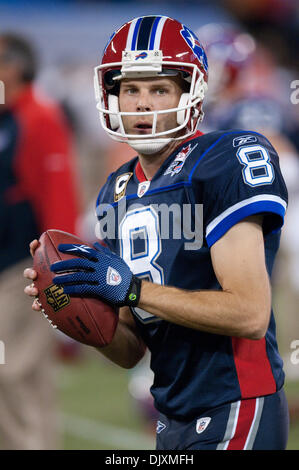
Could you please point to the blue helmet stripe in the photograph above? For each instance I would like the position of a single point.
(153, 34)
(135, 34)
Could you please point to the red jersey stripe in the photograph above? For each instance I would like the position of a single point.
(253, 367)
(243, 427)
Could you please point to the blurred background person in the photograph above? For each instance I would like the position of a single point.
(38, 191)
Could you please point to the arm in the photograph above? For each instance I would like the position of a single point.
(127, 348)
(243, 306)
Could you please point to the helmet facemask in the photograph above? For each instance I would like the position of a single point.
(188, 112)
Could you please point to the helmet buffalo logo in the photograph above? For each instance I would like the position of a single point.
(195, 45)
(142, 55)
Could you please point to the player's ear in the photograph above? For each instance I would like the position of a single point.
(185, 96)
(181, 115)
(114, 107)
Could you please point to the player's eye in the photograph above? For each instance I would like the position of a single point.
(131, 91)
(161, 91)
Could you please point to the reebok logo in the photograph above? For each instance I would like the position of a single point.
(244, 139)
(83, 248)
(160, 427)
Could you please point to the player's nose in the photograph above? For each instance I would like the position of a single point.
(144, 102)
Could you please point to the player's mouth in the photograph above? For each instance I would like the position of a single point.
(142, 127)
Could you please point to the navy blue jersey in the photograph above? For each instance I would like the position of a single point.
(164, 229)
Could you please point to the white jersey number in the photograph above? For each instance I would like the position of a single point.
(258, 169)
(141, 226)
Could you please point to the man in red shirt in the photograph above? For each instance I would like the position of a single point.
(37, 191)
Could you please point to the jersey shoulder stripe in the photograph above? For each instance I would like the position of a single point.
(234, 214)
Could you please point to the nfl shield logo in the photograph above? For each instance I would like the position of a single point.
(202, 424)
(113, 278)
(142, 188)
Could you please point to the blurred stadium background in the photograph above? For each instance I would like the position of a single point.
(99, 405)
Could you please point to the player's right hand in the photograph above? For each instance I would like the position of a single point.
(31, 274)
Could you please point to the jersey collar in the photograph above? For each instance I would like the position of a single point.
(139, 173)
(138, 169)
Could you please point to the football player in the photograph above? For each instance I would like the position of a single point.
(197, 221)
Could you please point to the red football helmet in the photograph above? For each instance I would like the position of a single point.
(151, 46)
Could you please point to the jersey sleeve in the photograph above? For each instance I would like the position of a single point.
(241, 177)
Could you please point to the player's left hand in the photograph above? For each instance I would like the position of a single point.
(99, 273)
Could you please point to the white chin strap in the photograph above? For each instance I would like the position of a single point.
(148, 148)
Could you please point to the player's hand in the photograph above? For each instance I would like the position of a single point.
(31, 274)
(99, 273)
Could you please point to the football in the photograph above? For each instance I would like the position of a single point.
(87, 320)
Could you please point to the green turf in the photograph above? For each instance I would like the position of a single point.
(96, 391)
(293, 443)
